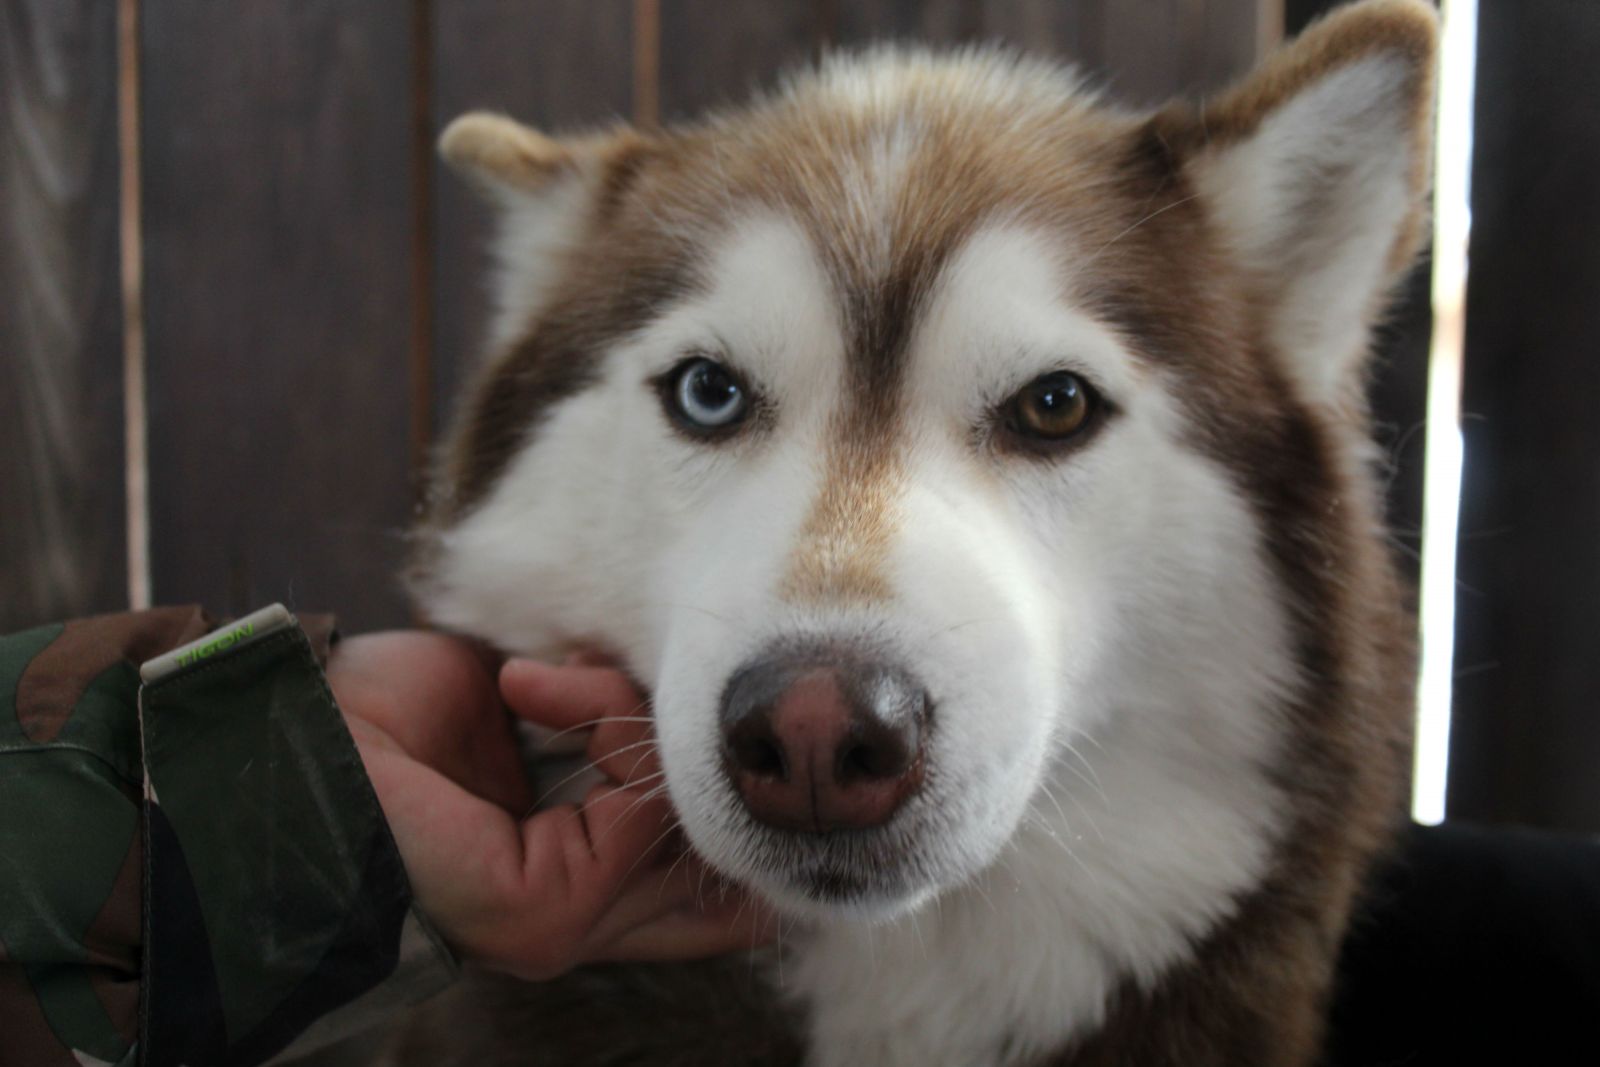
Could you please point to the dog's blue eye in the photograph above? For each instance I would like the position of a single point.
(707, 395)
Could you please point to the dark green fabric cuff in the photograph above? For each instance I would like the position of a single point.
(278, 914)
(71, 842)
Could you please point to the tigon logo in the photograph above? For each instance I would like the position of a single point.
(221, 642)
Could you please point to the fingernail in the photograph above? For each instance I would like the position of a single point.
(523, 670)
(517, 666)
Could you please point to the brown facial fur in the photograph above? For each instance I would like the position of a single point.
(1255, 991)
(971, 160)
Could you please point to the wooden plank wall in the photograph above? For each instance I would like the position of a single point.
(557, 65)
(313, 288)
(62, 549)
(277, 241)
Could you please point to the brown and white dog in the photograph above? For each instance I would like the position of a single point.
(979, 479)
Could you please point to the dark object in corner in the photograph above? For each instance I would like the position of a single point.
(1478, 945)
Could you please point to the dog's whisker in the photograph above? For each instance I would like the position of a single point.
(643, 853)
(692, 607)
(1088, 775)
(965, 624)
(549, 792)
(1049, 794)
(649, 742)
(682, 856)
(585, 769)
(1087, 816)
(553, 790)
(1061, 843)
(1152, 215)
(642, 799)
(983, 892)
(590, 724)
(648, 796)
(916, 928)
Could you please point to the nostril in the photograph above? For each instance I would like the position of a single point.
(856, 761)
(885, 754)
(757, 752)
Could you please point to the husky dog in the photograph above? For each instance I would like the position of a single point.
(978, 477)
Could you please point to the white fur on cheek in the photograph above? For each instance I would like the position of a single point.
(547, 559)
(577, 538)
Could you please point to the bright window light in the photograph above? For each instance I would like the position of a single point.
(1441, 504)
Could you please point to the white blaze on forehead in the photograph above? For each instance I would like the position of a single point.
(1001, 316)
(874, 180)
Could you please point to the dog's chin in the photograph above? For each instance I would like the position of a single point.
(832, 897)
(872, 877)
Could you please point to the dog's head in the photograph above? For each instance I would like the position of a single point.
(926, 417)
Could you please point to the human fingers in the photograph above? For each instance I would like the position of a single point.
(573, 863)
(626, 752)
(436, 697)
(679, 913)
(592, 850)
(525, 900)
(601, 700)
(463, 855)
(569, 696)
(688, 935)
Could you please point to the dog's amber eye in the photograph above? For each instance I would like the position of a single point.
(1052, 408)
(705, 395)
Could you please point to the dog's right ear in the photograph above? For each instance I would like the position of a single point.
(500, 155)
(547, 190)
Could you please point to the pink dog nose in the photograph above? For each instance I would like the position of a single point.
(823, 746)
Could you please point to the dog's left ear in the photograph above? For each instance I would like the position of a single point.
(1315, 174)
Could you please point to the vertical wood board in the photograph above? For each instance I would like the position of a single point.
(1143, 51)
(276, 147)
(1151, 50)
(62, 547)
(557, 66)
(715, 53)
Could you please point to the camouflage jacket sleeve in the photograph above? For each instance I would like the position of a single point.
(223, 889)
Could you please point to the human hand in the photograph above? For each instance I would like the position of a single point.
(533, 895)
